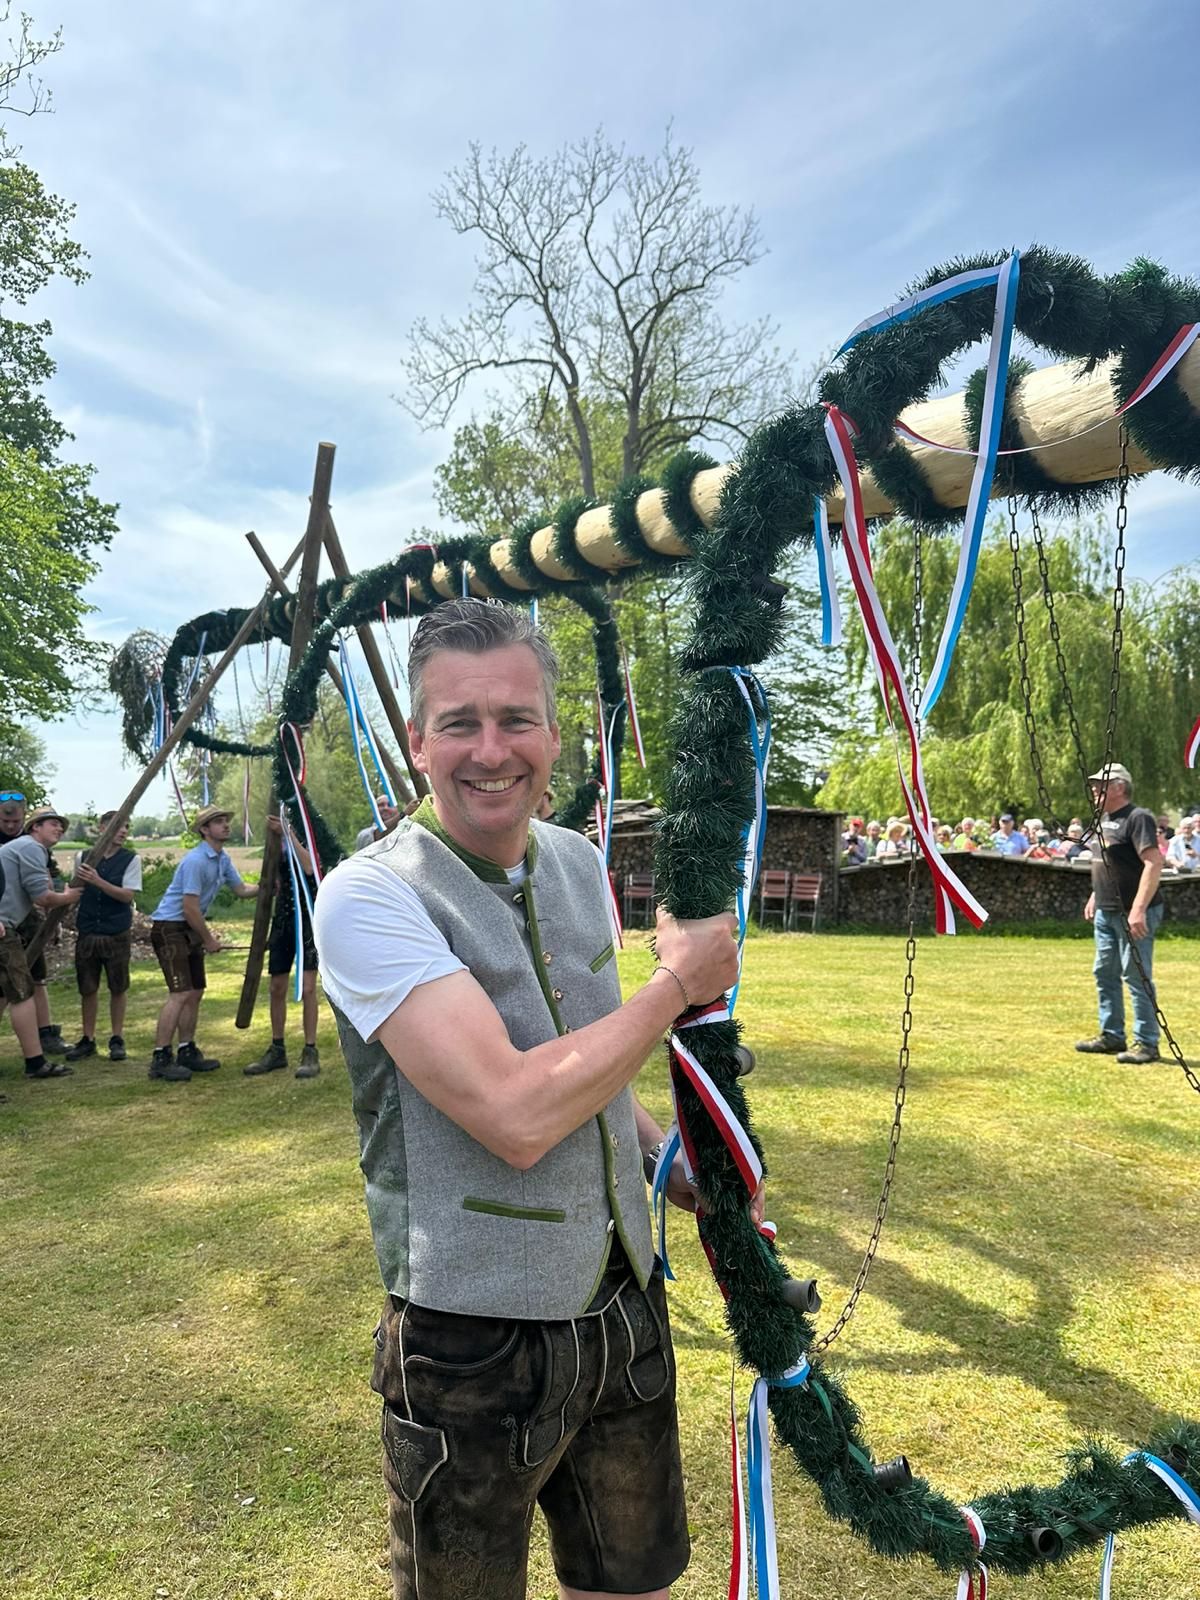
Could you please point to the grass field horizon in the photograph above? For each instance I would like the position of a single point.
(189, 1290)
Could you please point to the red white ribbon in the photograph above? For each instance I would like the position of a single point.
(1191, 751)
(246, 834)
(739, 1564)
(634, 725)
(178, 795)
(949, 891)
(737, 1140)
(967, 1587)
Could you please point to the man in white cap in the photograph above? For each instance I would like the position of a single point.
(1125, 908)
(181, 937)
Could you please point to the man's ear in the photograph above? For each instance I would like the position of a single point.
(416, 745)
(555, 741)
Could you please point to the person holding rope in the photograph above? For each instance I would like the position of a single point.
(13, 827)
(523, 1355)
(281, 958)
(181, 937)
(1125, 908)
(25, 866)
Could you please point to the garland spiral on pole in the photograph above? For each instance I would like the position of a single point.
(765, 504)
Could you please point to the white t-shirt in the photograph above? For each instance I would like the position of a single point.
(376, 942)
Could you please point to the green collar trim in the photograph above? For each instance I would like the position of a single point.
(490, 871)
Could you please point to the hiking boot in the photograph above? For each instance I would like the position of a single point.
(310, 1062)
(51, 1041)
(193, 1058)
(80, 1052)
(1104, 1044)
(116, 1048)
(49, 1069)
(1141, 1055)
(272, 1058)
(164, 1065)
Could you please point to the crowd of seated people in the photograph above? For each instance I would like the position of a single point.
(1002, 834)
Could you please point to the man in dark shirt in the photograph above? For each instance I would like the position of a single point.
(104, 940)
(1125, 908)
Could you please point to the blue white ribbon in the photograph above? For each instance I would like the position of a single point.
(755, 833)
(195, 672)
(761, 1498)
(360, 732)
(299, 887)
(831, 611)
(533, 611)
(1005, 277)
(1179, 1487)
(658, 1194)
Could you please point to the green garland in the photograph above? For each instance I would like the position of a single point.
(737, 611)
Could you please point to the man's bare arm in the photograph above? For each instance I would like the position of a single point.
(451, 1044)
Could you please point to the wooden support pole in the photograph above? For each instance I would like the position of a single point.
(399, 781)
(375, 664)
(302, 617)
(186, 717)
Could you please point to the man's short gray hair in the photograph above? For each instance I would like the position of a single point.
(476, 626)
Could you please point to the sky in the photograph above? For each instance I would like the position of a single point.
(253, 185)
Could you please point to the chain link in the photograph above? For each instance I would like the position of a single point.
(1118, 639)
(910, 959)
(1035, 754)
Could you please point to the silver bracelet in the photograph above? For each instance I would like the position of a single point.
(687, 1002)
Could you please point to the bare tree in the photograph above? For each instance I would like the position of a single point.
(22, 93)
(598, 285)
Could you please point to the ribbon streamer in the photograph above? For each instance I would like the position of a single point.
(1183, 1492)
(1005, 277)
(246, 833)
(949, 891)
(967, 1587)
(737, 1140)
(634, 725)
(758, 1467)
(359, 724)
(195, 672)
(299, 887)
(1191, 751)
(178, 795)
(831, 611)
(290, 730)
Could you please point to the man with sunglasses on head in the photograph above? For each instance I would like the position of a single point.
(12, 826)
(26, 864)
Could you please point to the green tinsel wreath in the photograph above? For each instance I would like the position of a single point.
(737, 609)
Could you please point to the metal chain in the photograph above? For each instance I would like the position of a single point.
(910, 959)
(1118, 637)
(1035, 754)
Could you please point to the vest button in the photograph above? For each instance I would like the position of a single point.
(558, 994)
(616, 1143)
(547, 957)
(616, 1181)
(518, 899)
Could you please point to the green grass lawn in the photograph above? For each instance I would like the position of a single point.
(188, 1292)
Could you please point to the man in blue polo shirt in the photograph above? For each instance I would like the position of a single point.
(181, 937)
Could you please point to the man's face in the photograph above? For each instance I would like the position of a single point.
(1186, 829)
(1110, 796)
(121, 834)
(48, 832)
(216, 831)
(487, 746)
(874, 831)
(968, 828)
(1006, 825)
(12, 818)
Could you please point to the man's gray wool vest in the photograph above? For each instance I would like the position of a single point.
(455, 1227)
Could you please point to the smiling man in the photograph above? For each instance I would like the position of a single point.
(523, 1355)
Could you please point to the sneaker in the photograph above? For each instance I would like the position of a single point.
(51, 1042)
(1104, 1044)
(80, 1052)
(116, 1048)
(272, 1058)
(193, 1058)
(164, 1065)
(1141, 1055)
(310, 1062)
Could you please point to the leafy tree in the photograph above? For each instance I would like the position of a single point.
(23, 763)
(599, 279)
(53, 522)
(976, 748)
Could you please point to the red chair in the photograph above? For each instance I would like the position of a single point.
(774, 887)
(640, 892)
(805, 897)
